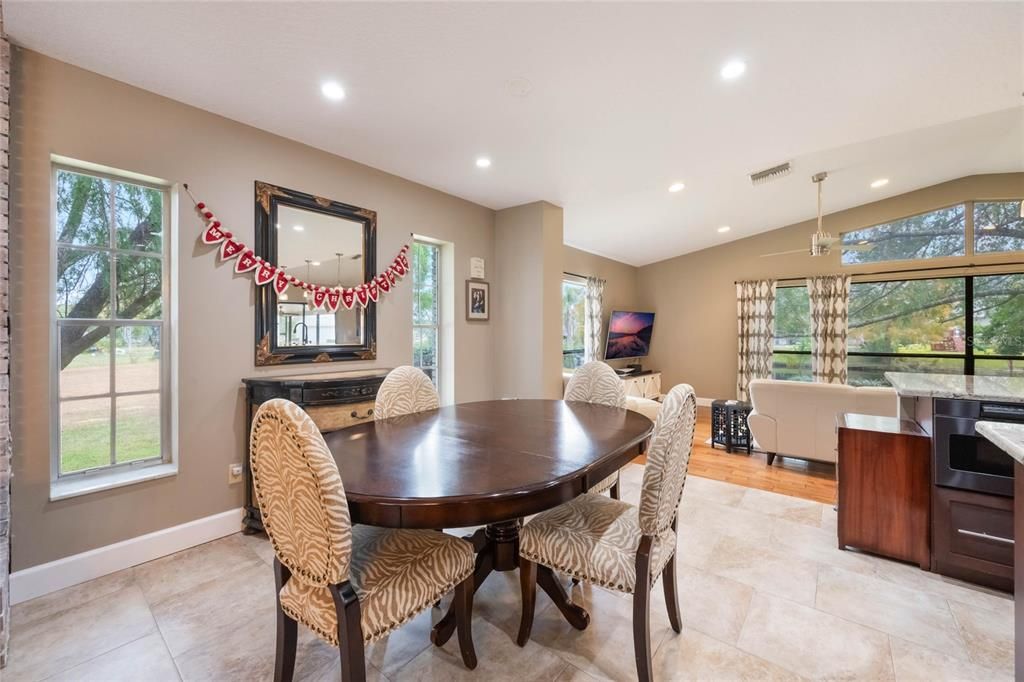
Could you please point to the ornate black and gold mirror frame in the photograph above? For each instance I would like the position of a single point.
(268, 199)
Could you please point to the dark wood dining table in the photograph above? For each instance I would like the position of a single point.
(484, 464)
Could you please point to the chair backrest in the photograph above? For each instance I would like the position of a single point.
(596, 382)
(301, 497)
(668, 456)
(405, 390)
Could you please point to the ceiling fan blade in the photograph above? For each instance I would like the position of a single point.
(783, 253)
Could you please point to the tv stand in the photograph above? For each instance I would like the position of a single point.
(645, 383)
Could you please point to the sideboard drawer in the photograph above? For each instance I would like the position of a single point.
(335, 417)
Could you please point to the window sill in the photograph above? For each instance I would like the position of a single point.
(85, 485)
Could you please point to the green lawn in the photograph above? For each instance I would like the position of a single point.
(87, 444)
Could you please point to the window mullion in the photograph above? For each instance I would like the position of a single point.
(113, 397)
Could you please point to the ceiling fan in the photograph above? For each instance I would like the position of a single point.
(821, 241)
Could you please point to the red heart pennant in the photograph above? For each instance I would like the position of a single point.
(246, 262)
(265, 273)
(280, 282)
(383, 283)
(362, 296)
(404, 260)
(230, 248)
(213, 234)
(348, 298)
(318, 297)
(373, 290)
(399, 268)
(390, 276)
(333, 299)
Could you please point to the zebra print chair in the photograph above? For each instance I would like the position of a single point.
(614, 544)
(351, 585)
(596, 382)
(405, 390)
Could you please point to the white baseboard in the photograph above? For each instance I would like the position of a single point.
(705, 402)
(34, 582)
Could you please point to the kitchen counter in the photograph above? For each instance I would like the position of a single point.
(957, 386)
(1009, 437)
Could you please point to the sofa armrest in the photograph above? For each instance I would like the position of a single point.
(765, 431)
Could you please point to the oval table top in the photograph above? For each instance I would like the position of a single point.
(478, 463)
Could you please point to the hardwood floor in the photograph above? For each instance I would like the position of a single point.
(787, 476)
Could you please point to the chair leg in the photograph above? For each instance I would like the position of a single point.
(528, 584)
(464, 621)
(613, 492)
(668, 581)
(771, 458)
(642, 611)
(287, 631)
(350, 633)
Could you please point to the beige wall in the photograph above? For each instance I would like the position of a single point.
(60, 109)
(527, 306)
(694, 295)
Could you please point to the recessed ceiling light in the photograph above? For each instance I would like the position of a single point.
(298, 228)
(880, 182)
(724, 228)
(676, 187)
(483, 162)
(734, 68)
(316, 262)
(333, 91)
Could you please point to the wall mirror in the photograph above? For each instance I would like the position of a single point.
(321, 242)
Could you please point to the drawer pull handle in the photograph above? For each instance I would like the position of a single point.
(369, 413)
(985, 536)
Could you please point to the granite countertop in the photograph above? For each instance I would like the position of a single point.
(1010, 437)
(911, 384)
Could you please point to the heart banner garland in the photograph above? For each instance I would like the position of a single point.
(330, 298)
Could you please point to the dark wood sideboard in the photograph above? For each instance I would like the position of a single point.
(334, 400)
(884, 472)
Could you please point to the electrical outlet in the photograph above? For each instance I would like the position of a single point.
(234, 473)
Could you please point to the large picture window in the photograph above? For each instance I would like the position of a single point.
(949, 325)
(111, 338)
(574, 296)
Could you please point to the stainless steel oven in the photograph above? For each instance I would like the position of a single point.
(965, 460)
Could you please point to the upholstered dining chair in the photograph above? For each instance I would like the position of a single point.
(614, 544)
(596, 382)
(405, 390)
(351, 585)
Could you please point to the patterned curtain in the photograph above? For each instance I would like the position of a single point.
(830, 303)
(755, 314)
(594, 314)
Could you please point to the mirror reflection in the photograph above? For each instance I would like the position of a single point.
(325, 250)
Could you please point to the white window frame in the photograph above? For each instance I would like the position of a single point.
(115, 474)
(438, 325)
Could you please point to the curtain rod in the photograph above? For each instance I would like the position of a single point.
(969, 266)
(573, 274)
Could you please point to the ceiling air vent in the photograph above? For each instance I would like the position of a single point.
(769, 174)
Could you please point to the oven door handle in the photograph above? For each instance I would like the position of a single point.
(985, 536)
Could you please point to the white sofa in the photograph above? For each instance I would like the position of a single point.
(798, 418)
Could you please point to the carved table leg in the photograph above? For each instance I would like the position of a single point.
(500, 552)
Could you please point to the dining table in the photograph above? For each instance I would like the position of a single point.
(484, 464)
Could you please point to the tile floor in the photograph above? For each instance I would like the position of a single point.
(764, 594)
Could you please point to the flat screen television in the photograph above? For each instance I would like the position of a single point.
(629, 335)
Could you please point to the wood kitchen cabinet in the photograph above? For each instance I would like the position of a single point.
(884, 472)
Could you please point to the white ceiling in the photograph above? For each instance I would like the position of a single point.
(623, 100)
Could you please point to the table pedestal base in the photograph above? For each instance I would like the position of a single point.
(497, 548)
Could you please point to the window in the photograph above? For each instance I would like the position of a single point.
(112, 364)
(998, 227)
(949, 325)
(574, 296)
(929, 235)
(426, 314)
(791, 358)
